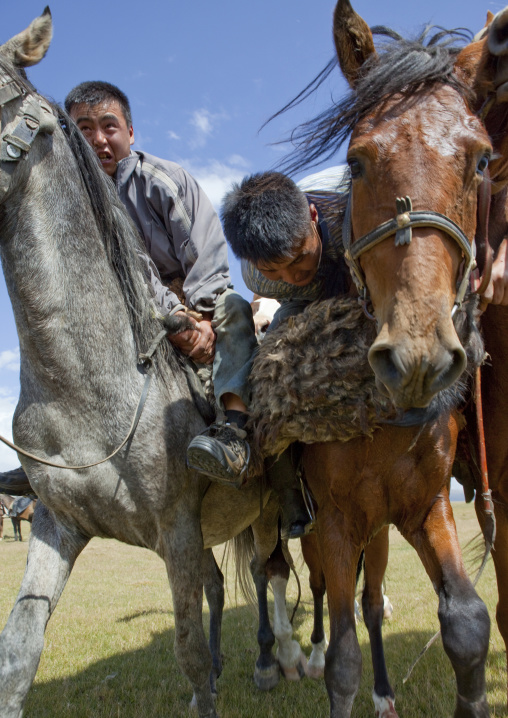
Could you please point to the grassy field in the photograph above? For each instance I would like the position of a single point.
(109, 645)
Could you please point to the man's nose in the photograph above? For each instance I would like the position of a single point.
(98, 139)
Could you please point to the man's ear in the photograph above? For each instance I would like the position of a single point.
(313, 212)
(131, 135)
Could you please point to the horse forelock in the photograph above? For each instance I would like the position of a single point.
(119, 236)
(400, 67)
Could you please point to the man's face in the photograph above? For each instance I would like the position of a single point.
(106, 131)
(301, 267)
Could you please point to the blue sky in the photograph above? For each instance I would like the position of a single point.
(202, 77)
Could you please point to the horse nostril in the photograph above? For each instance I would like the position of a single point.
(385, 367)
(455, 368)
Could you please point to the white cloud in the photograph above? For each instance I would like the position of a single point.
(204, 122)
(216, 177)
(8, 457)
(172, 135)
(9, 359)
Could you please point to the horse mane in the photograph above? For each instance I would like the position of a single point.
(400, 66)
(120, 237)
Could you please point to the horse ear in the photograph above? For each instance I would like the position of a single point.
(30, 46)
(353, 40)
(483, 64)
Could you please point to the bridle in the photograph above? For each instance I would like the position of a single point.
(16, 139)
(36, 115)
(401, 225)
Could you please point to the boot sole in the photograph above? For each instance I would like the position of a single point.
(206, 459)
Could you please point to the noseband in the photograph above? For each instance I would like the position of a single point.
(401, 225)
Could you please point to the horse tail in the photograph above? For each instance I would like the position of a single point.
(243, 548)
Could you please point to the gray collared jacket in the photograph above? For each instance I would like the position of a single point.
(180, 229)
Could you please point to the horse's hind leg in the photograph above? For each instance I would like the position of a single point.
(316, 663)
(376, 560)
(464, 619)
(214, 592)
(291, 658)
(52, 551)
(265, 531)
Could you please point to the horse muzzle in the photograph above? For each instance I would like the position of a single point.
(412, 378)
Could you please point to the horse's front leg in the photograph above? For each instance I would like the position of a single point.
(52, 552)
(183, 554)
(343, 661)
(376, 560)
(465, 623)
(316, 663)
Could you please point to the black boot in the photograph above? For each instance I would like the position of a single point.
(15, 483)
(222, 453)
(282, 477)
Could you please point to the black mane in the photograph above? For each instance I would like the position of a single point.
(120, 237)
(401, 66)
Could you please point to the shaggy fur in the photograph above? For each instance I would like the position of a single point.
(312, 381)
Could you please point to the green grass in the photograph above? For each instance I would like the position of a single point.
(109, 644)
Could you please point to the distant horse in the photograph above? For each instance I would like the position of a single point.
(417, 152)
(17, 508)
(85, 323)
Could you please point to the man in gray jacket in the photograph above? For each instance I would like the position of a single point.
(183, 237)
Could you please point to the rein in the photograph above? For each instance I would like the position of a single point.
(35, 115)
(146, 361)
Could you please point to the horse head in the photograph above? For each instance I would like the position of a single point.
(417, 154)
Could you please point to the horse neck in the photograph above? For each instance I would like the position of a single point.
(70, 314)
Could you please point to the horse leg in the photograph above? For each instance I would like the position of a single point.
(291, 658)
(463, 616)
(52, 552)
(214, 592)
(1, 528)
(316, 663)
(343, 660)
(373, 607)
(15, 528)
(265, 531)
(499, 556)
(182, 550)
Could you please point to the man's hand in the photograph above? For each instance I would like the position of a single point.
(497, 289)
(197, 343)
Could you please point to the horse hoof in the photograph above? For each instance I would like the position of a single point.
(387, 608)
(193, 707)
(296, 672)
(385, 707)
(267, 678)
(314, 672)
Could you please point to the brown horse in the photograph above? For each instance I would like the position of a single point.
(9, 510)
(415, 134)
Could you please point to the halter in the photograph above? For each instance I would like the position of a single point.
(34, 115)
(401, 225)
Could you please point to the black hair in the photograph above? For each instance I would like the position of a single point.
(265, 218)
(96, 92)
(401, 66)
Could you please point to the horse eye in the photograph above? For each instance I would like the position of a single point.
(355, 168)
(483, 164)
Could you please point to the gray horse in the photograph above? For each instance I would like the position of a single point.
(83, 316)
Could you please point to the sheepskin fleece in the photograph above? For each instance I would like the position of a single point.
(312, 382)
